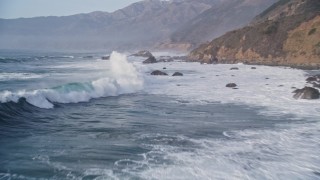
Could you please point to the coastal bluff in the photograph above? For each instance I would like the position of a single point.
(286, 34)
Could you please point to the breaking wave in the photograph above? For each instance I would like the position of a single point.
(124, 79)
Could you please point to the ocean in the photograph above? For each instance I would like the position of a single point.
(75, 116)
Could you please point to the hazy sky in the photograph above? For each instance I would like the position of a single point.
(31, 8)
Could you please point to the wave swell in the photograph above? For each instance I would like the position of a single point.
(124, 79)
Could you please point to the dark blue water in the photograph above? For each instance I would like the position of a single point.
(144, 136)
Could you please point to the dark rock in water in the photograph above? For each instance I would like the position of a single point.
(316, 85)
(143, 53)
(231, 85)
(164, 68)
(253, 68)
(306, 93)
(105, 57)
(234, 68)
(280, 85)
(310, 79)
(314, 79)
(159, 73)
(267, 78)
(177, 74)
(296, 91)
(317, 76)
(150, 60)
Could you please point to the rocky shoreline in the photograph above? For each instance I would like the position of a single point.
(303, 66)
(310, 91)
(190, 58)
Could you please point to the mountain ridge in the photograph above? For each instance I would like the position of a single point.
(219, 19)
(121, 29)
(152, 24)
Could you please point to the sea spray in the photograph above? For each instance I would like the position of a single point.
(127, 76)
(124, 78)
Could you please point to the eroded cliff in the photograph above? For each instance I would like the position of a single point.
(288, 33)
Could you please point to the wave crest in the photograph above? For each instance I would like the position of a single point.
(124, 79)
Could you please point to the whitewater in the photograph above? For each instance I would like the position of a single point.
(75, 116)
(123, 79)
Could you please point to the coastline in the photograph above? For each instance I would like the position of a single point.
(302, 66)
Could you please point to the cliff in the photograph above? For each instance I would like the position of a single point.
(287, 33)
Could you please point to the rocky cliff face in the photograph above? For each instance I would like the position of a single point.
(288, 33)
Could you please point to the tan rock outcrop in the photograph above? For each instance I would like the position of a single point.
(288, 33)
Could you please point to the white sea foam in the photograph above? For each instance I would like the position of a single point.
(268, 87)
(124, 78)
(284, 152)
(250, 154)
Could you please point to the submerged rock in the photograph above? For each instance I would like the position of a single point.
(105, 57)
(306, 93)
(159, 73)
(231, 85)
(234, 68)
(150, 60)
(310, 79)
(316, 85)
(313, 79)
(177, 74)
(253, 68)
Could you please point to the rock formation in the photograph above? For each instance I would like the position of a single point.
(159, 73)
(231, 85)
(287, 33)
(306, 93)
(177, 74)
(150, 60)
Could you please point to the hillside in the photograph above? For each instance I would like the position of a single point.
(138, 25)
(219, 19)
(287, 33)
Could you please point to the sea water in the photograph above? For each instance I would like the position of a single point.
(74, 116)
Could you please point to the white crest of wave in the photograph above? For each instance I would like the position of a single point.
(126, 74)
(124, 79)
